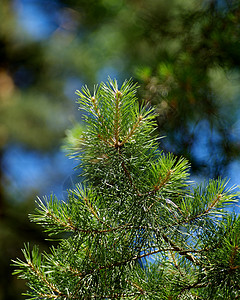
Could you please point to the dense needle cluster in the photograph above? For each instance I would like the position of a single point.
(135, 227)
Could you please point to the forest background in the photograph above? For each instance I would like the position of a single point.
(185, 55)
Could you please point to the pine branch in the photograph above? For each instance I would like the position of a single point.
(180, 251)
(196, 285)
(135, 204)
(132, 131)
(117, 120)
(233, 258)
(109, 141)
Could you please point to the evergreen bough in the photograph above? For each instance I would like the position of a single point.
(135, 227)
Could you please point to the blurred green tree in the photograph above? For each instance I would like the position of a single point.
(193, 78)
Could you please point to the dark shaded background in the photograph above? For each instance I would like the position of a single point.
(184, 54)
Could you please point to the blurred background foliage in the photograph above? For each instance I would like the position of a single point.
(184, 54)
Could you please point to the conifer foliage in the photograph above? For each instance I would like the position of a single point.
(135, 227)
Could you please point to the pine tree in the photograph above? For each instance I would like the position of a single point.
(135, 226)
